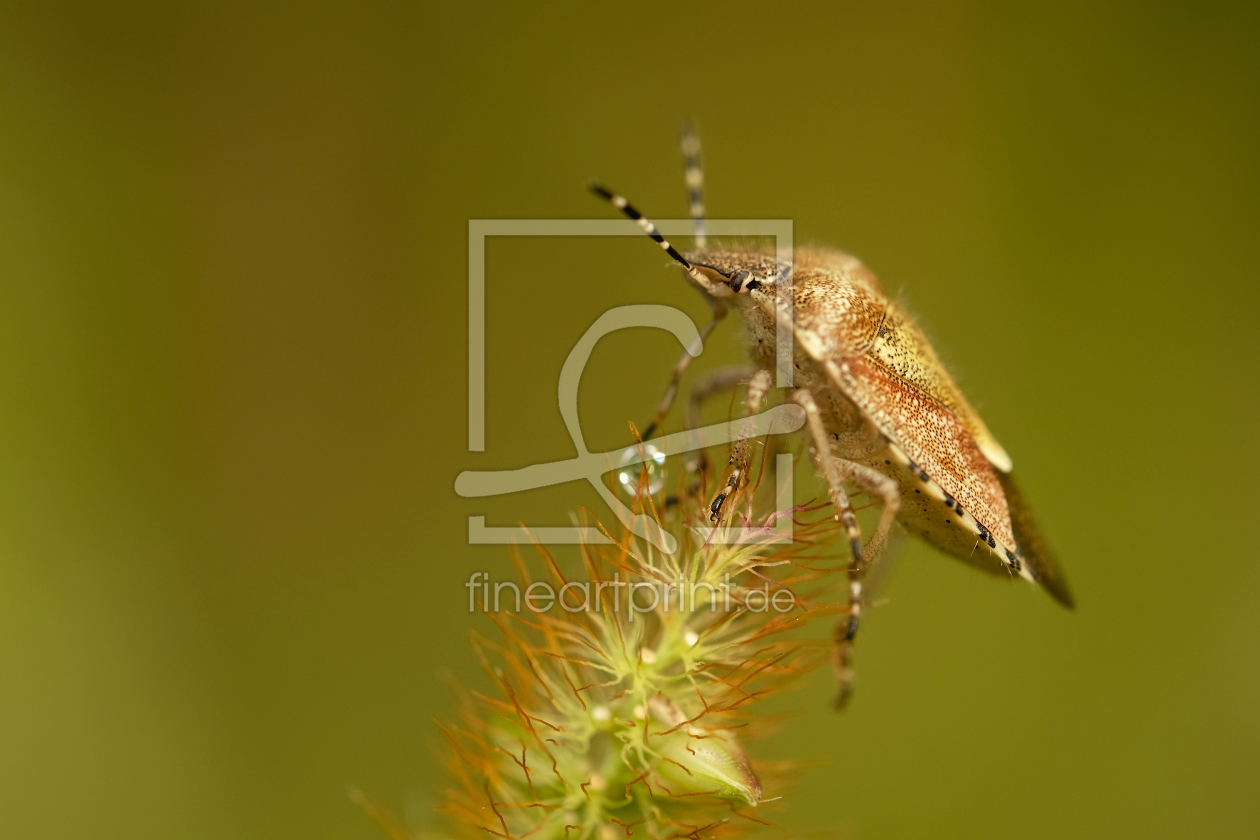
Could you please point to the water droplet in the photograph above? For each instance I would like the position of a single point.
(632, 475)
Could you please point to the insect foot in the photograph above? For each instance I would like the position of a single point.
(757, 390)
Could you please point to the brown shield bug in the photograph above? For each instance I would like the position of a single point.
(882, 412)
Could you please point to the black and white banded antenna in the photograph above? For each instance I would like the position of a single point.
(689, 140)
(628, 209)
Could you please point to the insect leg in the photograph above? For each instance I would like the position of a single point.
(830, 467)
(880, 486)
(835, 471)
(714, 382)
(757, 390)
(680, 369)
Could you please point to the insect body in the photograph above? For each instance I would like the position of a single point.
(883, 413)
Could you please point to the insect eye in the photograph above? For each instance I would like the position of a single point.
(738, 279)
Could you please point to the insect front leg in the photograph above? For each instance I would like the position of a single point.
(671, 390)
(757, 390)
(714, 382)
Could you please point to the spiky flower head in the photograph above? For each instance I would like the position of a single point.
(628, 686)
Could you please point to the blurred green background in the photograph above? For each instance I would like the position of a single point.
(233, 261)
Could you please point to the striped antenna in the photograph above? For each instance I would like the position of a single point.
(650, 229)
(690, 143)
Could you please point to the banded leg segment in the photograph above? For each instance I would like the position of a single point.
(714, 382)
(874, 483)
(757, 390)
(680, 369)
(837, 472)
(879, 486)
(830, 468)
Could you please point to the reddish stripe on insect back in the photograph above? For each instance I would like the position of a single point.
(933, 437)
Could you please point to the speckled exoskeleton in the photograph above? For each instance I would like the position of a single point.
(883, 414)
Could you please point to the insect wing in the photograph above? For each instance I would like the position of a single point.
(1034, 549)
(932, 436)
